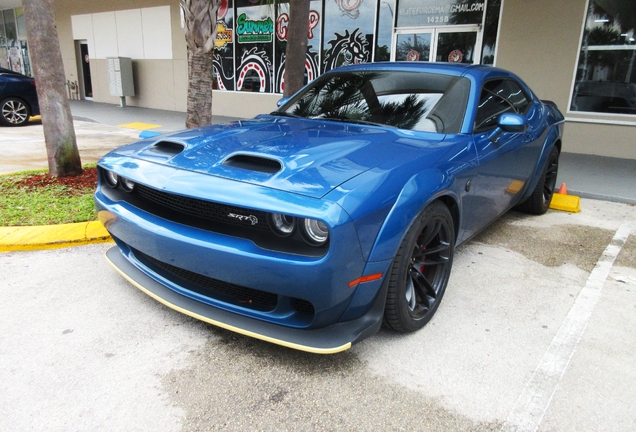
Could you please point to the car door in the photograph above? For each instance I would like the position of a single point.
(506, 159)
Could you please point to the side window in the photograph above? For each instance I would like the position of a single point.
(498, 97)
(516, 96)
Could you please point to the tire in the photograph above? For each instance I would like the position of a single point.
(14, 112)
(420, 270)
(539, 202)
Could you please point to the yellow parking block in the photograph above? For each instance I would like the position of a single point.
(569, 203)
(140, 126)
(52, 236)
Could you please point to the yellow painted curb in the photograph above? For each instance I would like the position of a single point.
(569, 203)
(52, 236)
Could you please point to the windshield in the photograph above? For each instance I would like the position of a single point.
(406, 100)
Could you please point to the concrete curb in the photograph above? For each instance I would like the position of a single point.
(52, 236)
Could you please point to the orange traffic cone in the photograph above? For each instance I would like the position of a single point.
(563, 190)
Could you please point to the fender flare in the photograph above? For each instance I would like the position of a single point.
(552, 139)
(418, 192)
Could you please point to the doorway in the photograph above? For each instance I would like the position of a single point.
(84, 70)
(438, 44)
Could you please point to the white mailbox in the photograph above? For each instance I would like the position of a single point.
(120, 78)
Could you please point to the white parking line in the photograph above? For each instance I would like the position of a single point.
(533, 403)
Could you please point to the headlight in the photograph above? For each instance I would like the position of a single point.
(316, 232)
(111, 178)
(128, 185)
(282, 225)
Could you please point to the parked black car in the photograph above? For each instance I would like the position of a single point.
(18, 98)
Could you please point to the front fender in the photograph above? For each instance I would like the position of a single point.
(418, 192)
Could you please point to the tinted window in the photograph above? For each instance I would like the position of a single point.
(498, 97)
(408, 100)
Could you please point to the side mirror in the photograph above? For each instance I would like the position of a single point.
(508, 122)
(515, 123)
(282, 101)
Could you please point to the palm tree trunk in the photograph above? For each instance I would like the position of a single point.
(296, 46)
(199, 89)
(200, 33)
(57, 122)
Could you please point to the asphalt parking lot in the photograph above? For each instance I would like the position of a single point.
(534, 333)
(535, 328)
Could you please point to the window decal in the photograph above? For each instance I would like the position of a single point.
(350, 48)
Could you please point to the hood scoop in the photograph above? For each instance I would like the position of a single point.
(254, 163)
(163, 150)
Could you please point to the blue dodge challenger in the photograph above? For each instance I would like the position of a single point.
(312, 226)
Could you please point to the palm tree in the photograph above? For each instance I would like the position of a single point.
(200, 33)
(296, 46)
(48, 69)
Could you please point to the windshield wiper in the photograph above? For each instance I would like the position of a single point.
(285, 114)
(355, 121)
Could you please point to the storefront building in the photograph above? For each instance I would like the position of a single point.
(580, 54)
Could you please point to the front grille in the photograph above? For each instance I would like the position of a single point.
(249, 298)
(303, 306)
(212, 216)
(204, 209)
(214, 288)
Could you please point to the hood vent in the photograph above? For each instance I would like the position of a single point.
(166, 148)
(254, 163)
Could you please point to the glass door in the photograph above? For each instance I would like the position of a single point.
(450, 44)
(414, 46)
(457, 45)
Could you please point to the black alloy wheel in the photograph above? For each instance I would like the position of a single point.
(539, 202)
(14, 112)
(420, 271)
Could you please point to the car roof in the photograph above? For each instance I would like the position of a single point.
(10, 72)
(457, 69)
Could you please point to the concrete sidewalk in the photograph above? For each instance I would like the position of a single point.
(101, 128)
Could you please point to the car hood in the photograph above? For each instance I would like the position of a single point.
(309, 157)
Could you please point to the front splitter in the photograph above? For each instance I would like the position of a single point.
(328, 340)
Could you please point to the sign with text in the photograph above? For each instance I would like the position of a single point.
(423, 13)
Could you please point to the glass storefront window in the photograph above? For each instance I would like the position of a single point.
(12, 53)
(21, 25)
(348, 28)
(491, 26)
(223, 59)
(606, 73)
(4, 52)
(313, 42)
(9, 26)
(252, 36)
(254, 52)
(413, 47)
(384, 30)
(456, 47)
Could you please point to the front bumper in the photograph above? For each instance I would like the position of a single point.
(327, 340)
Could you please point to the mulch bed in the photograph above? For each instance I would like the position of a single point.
(87, 180)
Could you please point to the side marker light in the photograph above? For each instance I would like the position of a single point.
(364, 279)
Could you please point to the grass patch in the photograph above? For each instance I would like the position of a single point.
(34, 198)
